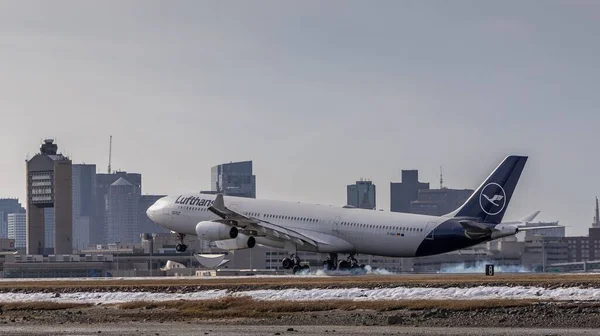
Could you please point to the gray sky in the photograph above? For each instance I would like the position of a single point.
(317, 93)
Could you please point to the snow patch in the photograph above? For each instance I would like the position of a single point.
(357, 294)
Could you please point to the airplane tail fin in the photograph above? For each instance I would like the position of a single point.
(489, 202)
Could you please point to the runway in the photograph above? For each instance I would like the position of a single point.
(182, 329)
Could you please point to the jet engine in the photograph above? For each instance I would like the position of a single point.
(241, 242)
(212, 231)
(504, 232)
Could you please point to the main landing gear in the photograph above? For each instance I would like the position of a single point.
(181, 247)
(293, 262)
(331, 264)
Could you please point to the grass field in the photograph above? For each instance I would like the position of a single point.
(248, 283)
(247, 307)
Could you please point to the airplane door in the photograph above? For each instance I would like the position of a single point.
(336, 225)
(430, 229)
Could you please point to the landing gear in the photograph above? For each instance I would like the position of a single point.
(181, 247)
(351, 264)
(293, 262)
(331, 263)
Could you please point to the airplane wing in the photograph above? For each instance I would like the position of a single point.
(250, 223)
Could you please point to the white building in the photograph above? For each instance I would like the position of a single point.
(17, 229)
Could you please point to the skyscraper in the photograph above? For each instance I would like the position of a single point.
(49, 185)
(17, 229)
(84, 203)
(361, 195)
(122, 225)
(438, 202)
(234, 179)
(98, 230)
(596, 222)
(8, 206)
(405, 192)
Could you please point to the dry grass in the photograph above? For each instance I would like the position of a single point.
(310, 282)
(237, 307)
(42, 305)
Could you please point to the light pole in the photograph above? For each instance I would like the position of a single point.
(151, 250)
(117, 242)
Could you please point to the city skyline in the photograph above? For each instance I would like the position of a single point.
(315, 95)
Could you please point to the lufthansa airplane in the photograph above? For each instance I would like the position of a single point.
(240, 223)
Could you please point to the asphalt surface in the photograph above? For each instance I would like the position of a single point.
(178, 329)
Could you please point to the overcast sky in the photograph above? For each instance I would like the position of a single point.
(317, 93)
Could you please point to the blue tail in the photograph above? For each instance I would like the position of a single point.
(489, 202)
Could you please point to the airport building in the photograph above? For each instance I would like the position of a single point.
(362, 195)
(8, 206)
(234, 179)
(49, 185)
(84, 203)
(405, 192)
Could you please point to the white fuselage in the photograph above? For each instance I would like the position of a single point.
(347, 230)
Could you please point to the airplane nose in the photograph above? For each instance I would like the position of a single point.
(153, 210)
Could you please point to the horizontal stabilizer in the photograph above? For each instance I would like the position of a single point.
(527, 228)
(529, 218)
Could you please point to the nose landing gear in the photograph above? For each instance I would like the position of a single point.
(181, 247)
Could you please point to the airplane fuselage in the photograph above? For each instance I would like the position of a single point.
(335, 229)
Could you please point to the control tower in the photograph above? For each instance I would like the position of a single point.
(49, 185)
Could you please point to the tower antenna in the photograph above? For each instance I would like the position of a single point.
(441, 179)
(109, 154)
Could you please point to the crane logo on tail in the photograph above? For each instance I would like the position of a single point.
(492, 199)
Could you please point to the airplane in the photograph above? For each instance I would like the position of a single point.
(239, 223)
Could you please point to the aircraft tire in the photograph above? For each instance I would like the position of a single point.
(344, 265)
(287, 263)
(296, 268)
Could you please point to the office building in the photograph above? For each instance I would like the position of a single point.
(405, 192)
(438, 202)
(234, 179)
(49, 185)
(84, 204)
(122, 212)
(361, 195)
(8, 206)
(103, 182)
(145, 224)
(17, 229)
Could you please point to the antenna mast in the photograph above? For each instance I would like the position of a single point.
(109, 154)
(441, 179)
